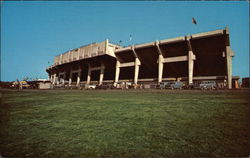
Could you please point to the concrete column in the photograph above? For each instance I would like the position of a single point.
(160, 68)
(51, 78)
(117, 71)
(229, 67)
(137, 64)
(78, 75)
(102, 73)
(78, 78)
(190, 67)
(191, 58)
(54, 79)
(70, 77)
(57, 80)
(64, 75)
(160, 62)
(89, 75)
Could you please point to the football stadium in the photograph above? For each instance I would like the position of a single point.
(189, 59)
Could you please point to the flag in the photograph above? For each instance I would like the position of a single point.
(130, 37)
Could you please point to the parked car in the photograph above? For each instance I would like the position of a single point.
(175, 85)
(102, 86)
(162, 85)
(90, 86)
(208, 85)
(188, 86)
(170, 85)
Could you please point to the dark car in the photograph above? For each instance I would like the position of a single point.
(105, 86)
(188, 86)
(102, 86)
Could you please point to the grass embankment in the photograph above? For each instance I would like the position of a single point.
(124, 124)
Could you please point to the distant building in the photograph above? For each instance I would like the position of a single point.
(44, 85)
(40, 84)
(245, 82)
(191, 58)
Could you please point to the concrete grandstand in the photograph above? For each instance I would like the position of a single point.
(190, 59)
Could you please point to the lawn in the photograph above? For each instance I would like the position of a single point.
(124, 123)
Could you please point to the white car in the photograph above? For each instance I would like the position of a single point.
(90, 86)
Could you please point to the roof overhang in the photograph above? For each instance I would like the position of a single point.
(175, 40)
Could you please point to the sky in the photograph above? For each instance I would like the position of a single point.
(33, 33)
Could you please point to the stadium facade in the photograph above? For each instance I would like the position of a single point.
(191, 58)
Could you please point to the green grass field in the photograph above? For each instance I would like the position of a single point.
(124, 123)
